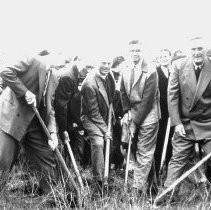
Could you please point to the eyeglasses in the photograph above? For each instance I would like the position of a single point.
(106, 63)
(197, 48)
(137, 51)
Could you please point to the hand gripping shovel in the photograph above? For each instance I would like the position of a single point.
(60, 158)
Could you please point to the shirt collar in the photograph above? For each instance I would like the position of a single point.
(100, 75)
(198, 66)
(166, 70)
(139, 64)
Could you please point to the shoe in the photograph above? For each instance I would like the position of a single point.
(98, 188)
(203, 189)
(135, 195)
(52, 202)
(45, 201)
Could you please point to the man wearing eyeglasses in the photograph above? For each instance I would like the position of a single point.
(140, 100)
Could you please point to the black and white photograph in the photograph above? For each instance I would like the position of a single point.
(105, 104)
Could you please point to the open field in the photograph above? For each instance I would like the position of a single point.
(20, 193)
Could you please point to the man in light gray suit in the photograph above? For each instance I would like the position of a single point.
(140, 100)
(189, 102)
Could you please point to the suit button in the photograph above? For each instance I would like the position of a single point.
(18, 115)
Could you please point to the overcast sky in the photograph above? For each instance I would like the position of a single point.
(91, 26)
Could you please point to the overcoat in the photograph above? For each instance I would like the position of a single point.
(67, 87)
(15, 113)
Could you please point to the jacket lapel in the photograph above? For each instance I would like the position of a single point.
(190, 79)
(142, 67)
(126, 74)
(102, 89)
(204, 79)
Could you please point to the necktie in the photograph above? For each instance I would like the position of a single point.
(132, 77)
(197, 72)
(106, 86)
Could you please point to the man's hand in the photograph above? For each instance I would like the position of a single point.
(179, 130)
(53, 142)
(65, 136)
(30, 98)
(75, 125)
(81, 132)
(107, 136)
(127, 118)
(132, 128)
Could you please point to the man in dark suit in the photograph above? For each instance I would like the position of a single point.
(97, 94)
(29, 83)
(116, 155)
(140, 100)
(189, 102)
(163, 71)
(67, 87)
(68, 105)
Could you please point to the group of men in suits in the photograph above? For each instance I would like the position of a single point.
(143, 88)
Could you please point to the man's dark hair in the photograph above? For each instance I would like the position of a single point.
(134, 42)
(44, 52)
(196, 38)
(117, 61)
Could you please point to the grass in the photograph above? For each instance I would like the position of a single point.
(19, 193)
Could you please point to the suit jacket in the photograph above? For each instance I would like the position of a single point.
(74, 112)
(189, 102)
(1, 85)
(143, 97)
(95, 103)
(15, 113)
(163, 84)
(68, 86)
